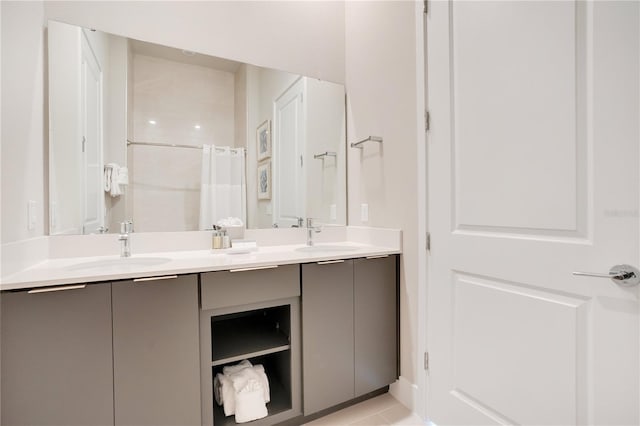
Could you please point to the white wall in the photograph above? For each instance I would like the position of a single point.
(301, 37)
(23, 118)
(65, 187)
(326, 127)
(381, 84)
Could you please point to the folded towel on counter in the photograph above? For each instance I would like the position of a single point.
(236, 388)
(229, 221)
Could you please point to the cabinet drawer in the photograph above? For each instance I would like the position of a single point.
(227, 288)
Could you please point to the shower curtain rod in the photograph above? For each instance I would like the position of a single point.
(173, 145)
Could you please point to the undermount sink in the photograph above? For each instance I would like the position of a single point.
(121, 262)
(326, 247)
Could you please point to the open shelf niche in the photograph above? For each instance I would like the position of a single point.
(244, 335)
(266, 334)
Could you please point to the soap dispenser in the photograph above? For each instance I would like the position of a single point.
(216, 238)
(226, 241)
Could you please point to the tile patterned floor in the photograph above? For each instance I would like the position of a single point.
(383, 410)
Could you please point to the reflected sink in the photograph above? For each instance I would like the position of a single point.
(121, 262)
(326, 247)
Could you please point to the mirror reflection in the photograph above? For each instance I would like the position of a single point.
(178, 141)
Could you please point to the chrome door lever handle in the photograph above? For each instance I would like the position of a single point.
(624, 275)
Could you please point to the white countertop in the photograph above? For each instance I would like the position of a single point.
(72, 270)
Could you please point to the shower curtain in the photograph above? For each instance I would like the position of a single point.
(223, 186)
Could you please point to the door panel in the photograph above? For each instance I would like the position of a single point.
(542, 328)
(289, 141)
(533, 153)
(532, 181)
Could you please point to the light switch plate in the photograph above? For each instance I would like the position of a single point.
(364, 212)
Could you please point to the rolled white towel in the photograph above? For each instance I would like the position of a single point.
(239, 376)
(217, 388)
(242, 377)
(264, 380)
(231, 369)
(227, 395)
(227, 391)
(233, 380)
(250, 403)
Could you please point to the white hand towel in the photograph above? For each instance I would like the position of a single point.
(227, 395)
(217, 388)
(250, 403)
(227, 391)
(231, 369)
(107, 178)
(123, 176)
(115, 190)
(259, 370)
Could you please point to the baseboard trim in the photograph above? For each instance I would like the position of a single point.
(405, 392)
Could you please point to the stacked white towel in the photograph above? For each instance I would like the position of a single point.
(230, 221)
(114, 176)
(243, 390)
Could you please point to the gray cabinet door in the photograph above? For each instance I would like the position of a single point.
(375, 313)
(156, 352)
(327, 335)
(56, 357)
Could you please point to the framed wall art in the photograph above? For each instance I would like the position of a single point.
(263, 139)
(264, 181)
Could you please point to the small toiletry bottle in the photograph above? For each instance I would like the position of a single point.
(226, 241)
(217, 240)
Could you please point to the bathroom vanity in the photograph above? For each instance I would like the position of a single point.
(141, 343)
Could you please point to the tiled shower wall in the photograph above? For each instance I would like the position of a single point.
(165, 181)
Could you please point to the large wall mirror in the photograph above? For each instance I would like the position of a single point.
(179, 141)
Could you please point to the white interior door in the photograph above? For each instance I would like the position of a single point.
(533, 174)
(92, 164)
(288, 163)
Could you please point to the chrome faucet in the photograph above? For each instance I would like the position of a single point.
(126, 228)
(311, 229)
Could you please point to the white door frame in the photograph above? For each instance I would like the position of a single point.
(422, 187)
